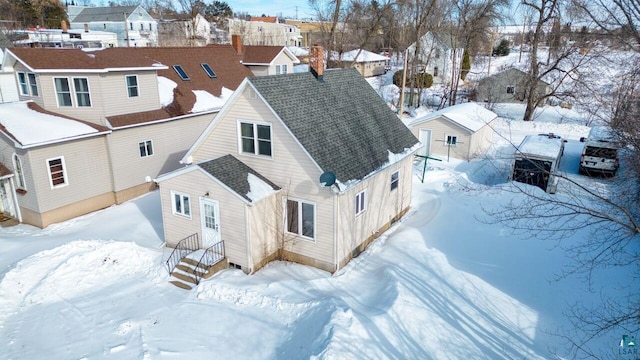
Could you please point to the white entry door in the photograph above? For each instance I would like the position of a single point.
(210, 221)
(425, 139)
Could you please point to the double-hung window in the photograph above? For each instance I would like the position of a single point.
(17, 165)
(22, 81)
(301, 218)
(361, 204)
(146, 148)
(57, 172)
(255, 138)
(33, 84)
(81, 86)
(63, 91)
(181, 204)
(132, 85)
(511, 89)
(395, 178)
(284, 68)
(277, 69)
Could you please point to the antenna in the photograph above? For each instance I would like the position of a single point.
(327, 178)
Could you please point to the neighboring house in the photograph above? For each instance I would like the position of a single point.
(313, 32)
(132, 24)
(508, 86)
(308, 167)
(366, 62)
(439, 54)
(265, 33)
(194, 32)
(140, 109)
(461, 131)
(61, 38)
(265, 60)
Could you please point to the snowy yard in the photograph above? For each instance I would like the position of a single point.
(439, 284)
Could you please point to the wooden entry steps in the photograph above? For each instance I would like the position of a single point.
(187, 273)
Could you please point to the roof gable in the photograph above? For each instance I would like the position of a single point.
(470, 116)
(341, 122)
(240, 178)
(264, 55)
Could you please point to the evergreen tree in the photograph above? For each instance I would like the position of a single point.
(466, 65)
(502, 49)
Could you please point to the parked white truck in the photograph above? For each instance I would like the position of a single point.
(600, 154)
(536, 161)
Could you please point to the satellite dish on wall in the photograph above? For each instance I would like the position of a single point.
(327, 178)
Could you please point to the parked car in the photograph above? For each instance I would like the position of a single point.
(600, 154)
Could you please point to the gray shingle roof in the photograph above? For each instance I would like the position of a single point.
(111, 13)
(342, 122)
(233, 173)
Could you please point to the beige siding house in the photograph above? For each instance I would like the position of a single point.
(265, 60)
(311, 180)
(115, 119)
(367, 63)
(461, 131)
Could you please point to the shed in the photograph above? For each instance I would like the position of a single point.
(461, 131)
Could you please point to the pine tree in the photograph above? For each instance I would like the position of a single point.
(466, 65)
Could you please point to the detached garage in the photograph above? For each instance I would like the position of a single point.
(459, 131)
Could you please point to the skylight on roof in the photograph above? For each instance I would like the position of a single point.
(208, 70)
(183, 74)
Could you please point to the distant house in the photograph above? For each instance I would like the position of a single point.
(461, 131)
(63, 38)
(264, 31)
(265, 60)
(132, 24)
(190, 32)
(309, 167)
(366, 62)
(508, 86)
(93, 128)
(440, 55)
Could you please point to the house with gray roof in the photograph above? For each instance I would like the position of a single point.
(132, 24)
(318, 167)
(509, 86)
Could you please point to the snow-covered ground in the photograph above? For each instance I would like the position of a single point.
(440, 284)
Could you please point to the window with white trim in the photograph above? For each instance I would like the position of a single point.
(435, 71)
(132, 85)
(451, 140)
(17, 165)
(33, 84)
(81, 87)
(284, 68)
(361, 204)
(255, 138)
(395, 179)
(181, 204)
(277, 69)
(63, 91)
(301, 218)
(511, 89)
(146, 148)
(57, 172)
(22, 82)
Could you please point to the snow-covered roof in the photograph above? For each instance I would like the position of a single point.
(298, 51)
(364, 56)
(543, 145)
(205, 101)
(31, 128)
(468, 115)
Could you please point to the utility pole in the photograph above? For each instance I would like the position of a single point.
(522, 39)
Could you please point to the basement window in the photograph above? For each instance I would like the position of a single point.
(183, 74)
(208, 70)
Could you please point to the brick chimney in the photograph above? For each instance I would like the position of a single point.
(236, 42)
(63, 25)
(316, 61)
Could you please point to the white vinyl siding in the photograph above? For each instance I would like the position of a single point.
(395, 180)
(440, 129)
